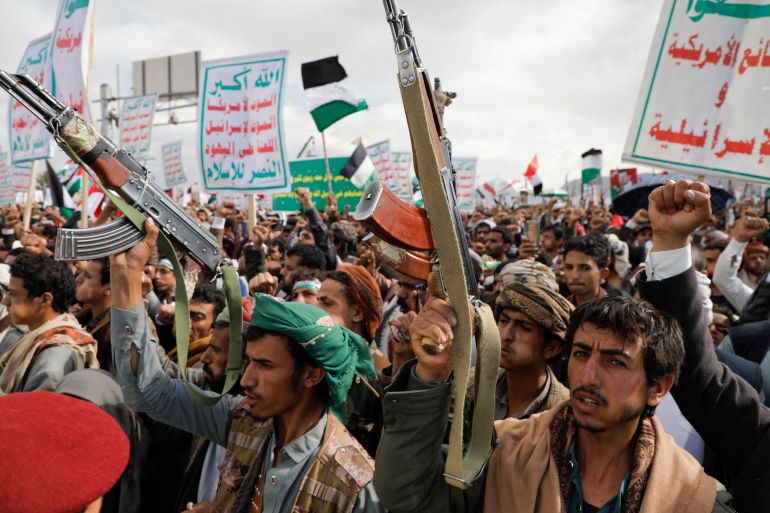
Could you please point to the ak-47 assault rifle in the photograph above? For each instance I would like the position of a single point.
(118, 172)
(439, 230)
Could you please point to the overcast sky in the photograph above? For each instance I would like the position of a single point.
(547, 78)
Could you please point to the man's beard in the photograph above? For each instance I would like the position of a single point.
(627, 415)
(216, 384)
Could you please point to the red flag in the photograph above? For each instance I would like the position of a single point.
(532, 168)
(533, 177)
(95, 200)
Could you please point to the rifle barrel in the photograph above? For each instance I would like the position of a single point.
(18, 86)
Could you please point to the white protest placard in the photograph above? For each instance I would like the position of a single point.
(171, 154)
(465, 181)
(379, 153)
(30, 140)
(70, 37)
(20, 177)
(136, 124)
(703, 106)
(402, 164)
(241, 143)
(7, 193)
(236, 198)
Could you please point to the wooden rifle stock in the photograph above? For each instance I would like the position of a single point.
(110, 171)
(411, 264)
(451, 260)
(393, 220)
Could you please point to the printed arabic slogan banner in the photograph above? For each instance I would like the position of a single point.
(402, 165)
(465, 181)
(6, 185)
(29, 138)
(703, 104)
(136, 124)
(71, 35)
(241, 142)
(311, 173)
(20, 177)
(380, 155)
(171, 154)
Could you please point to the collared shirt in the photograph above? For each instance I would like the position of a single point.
(152, 391)
(661, 265)
(207, 484)
(726, 275)
(501, 408)
(281, 483)
(602, 293)
(576, 502)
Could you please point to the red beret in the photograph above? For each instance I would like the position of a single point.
(59, 453)
(756, 247)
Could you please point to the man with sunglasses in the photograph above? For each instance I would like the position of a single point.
(40, 292)
(9, 332)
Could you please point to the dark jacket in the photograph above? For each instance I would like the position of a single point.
(751, 340)
(636, 253)
(100, 388)
(758, 307)
(188, 488)
(723, 408)
(321, 235)
(100, 328)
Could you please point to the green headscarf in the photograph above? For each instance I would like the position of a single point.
(340, 352)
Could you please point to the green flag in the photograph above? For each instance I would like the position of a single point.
(328, 99)
(592, 165)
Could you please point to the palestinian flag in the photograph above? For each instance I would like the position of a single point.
(59, 195)
(533, 177)
(327, 99)
(592, 165)
(69, 177)
(359, 167)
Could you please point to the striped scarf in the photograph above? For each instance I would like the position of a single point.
(63, 330)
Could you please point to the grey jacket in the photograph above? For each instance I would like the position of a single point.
(408, 474)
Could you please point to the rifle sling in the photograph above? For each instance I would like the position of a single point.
(429, 159)
(182, 316)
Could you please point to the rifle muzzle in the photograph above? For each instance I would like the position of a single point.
(32, 95)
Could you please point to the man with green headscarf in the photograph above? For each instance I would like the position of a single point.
(287, 447)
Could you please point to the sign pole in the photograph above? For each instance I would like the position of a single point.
(84, 182)
(326, 162)
(252, 211)
(84, 185)
(30, 194)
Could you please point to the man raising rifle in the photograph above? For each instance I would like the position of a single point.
(602, 450)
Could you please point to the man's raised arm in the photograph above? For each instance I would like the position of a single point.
(145, 386)
(416, 409)
(722, 407)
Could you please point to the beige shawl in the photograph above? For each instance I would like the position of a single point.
(63, 330)
(523, 476)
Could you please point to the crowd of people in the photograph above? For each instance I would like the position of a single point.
(634, 369)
